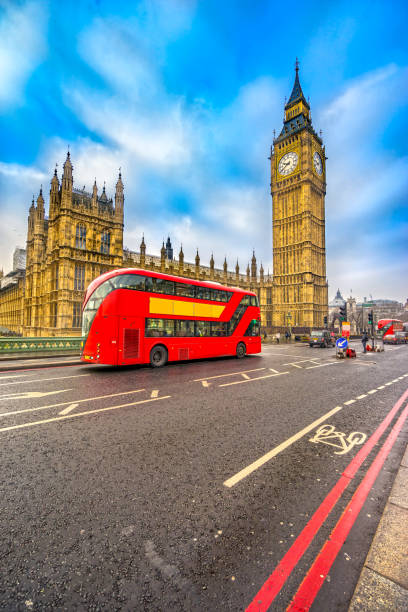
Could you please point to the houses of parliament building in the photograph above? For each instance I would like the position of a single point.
(82, 237)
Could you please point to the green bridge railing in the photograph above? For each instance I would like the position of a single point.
(34, 345)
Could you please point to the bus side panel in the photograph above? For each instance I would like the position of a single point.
(101, 345)
(130, 340)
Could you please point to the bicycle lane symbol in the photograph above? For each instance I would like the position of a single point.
(327, 434)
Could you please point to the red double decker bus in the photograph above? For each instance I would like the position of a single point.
(388, 327)
(136, 316)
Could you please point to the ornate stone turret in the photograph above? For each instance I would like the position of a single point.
(104, 197)
(169, 249)
(95, 195)
(248, 273)
(163, 258)
(119, 198)
(142, 252)
(261, 273)
(253, 267)
(181, 260)
(40, 206)
(54, 194)
(225, 268)
(31, 216)
(67, 181)
(212, 266)
(237, 271)
(197, 265)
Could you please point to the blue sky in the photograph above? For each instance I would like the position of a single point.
(184, 97)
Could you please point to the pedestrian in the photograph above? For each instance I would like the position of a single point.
(265, 335)
(364, 339)
(277, 336)
(287, 336)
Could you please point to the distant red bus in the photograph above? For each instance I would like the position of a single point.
(388, 327)
(137, 316)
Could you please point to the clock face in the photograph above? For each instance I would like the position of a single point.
(288, 163)
(317, 162)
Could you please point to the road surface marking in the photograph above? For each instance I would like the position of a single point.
(278, 449)
(328, 432)
(230, 374)
(239, 382)
(40, 380)
(388, 383)
(317, 573)
(15, 376)
(154, 393)
(382, 387)
(294, 365)
(322, 365)
(362, 396)
(87, 399)
(205, 383)
(245, 376)
(80, 414)
(268, 592)
(349, 402)
(289, 355)
(274, 371)
(395, 380)
(31, 394)
(372, 391)
(69, 409)
(365, 364)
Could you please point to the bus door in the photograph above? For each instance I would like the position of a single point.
(130, 340)
(104, 339)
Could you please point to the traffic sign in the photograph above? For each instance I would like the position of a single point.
(341, 343)
(345, 328)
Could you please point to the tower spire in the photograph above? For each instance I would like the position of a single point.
(297, 93)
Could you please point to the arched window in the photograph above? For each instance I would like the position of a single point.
(80, 237)
(105, 243)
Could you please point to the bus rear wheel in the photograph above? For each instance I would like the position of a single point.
(158, 356)
(241, 350)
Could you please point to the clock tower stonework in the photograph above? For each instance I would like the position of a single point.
(298, 188)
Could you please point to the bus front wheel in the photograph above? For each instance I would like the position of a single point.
(241, 350)
(158, 356)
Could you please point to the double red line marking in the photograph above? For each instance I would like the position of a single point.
(320, 568)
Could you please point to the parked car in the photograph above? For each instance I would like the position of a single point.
(401, 337)
(321, 338)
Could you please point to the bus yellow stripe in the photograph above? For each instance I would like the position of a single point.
(181, 308)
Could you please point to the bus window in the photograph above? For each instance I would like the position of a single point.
(254, 328)
(203, 328)
(225, 296)
(156, 328)
(203, 293)
(254, 300)
(185, 290)
(161, 285)
(128, 281)
(219, 329)
(184, 328)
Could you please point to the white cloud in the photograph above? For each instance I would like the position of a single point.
(22, 48)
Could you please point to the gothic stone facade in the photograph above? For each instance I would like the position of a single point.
(83, 237)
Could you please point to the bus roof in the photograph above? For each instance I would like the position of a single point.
(180, 279)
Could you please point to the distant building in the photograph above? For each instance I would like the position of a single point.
(19, 259)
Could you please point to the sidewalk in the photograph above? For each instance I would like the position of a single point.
(383, 582)
(24, 362)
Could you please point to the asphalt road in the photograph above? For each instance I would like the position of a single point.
(122, 489)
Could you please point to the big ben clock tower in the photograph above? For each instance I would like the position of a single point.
(298, 187)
